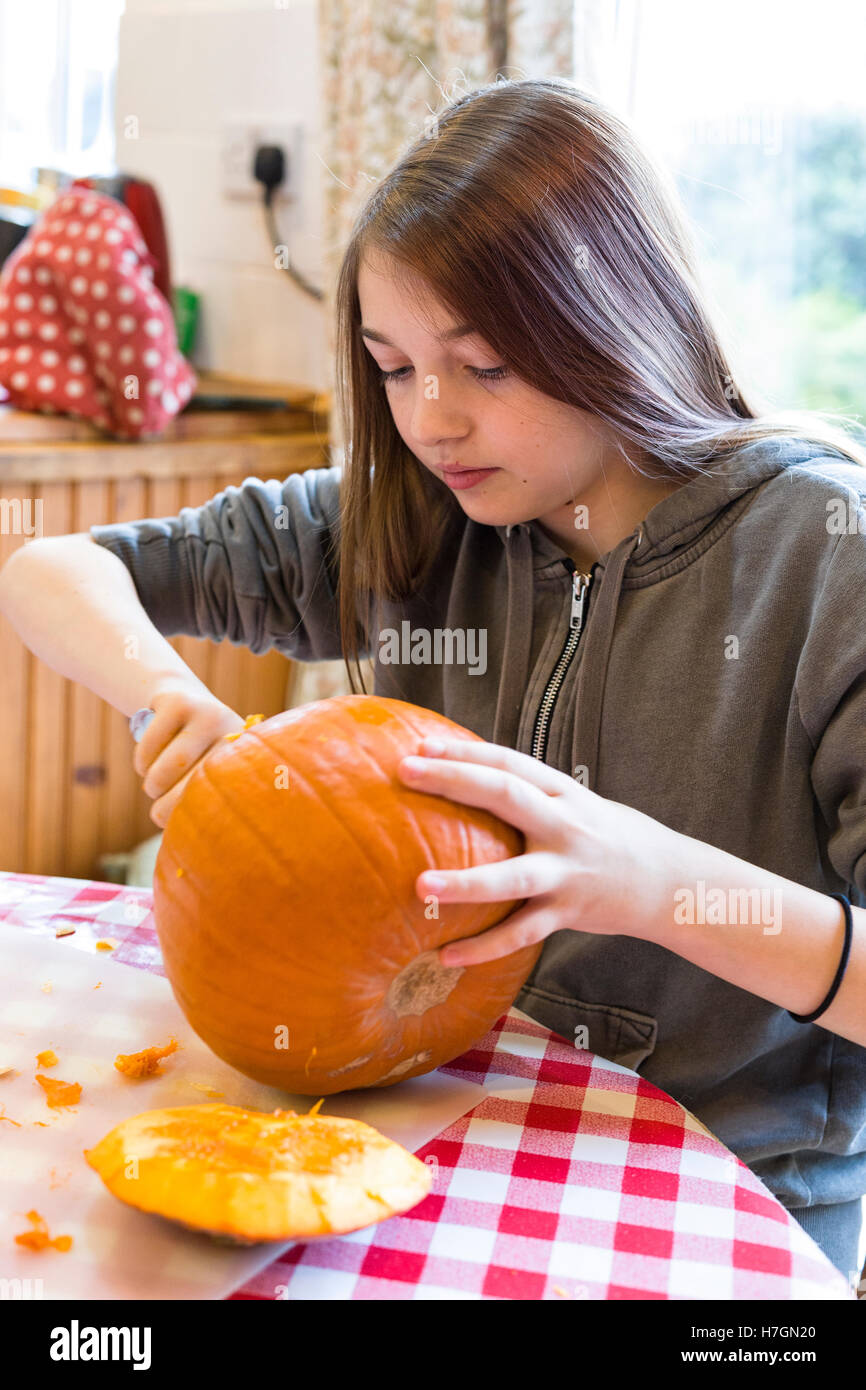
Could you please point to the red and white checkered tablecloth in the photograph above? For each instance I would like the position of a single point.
(574, 1178)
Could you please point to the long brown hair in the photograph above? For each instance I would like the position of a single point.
(530, 210)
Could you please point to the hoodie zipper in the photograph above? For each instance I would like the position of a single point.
(580, 586)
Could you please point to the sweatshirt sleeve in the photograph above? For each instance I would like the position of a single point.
(831, 694)
(254, 564)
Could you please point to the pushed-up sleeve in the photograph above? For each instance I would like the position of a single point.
(256, 564)
(831, 695)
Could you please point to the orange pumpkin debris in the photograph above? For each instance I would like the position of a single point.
(47, 1058)
(147, 1062)
(38, 1238)
(59, 1094)
(248, 723)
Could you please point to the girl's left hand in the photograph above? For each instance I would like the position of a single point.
(590, 864)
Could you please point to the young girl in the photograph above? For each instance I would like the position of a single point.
(560, 524)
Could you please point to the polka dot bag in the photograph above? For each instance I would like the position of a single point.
(83, 330)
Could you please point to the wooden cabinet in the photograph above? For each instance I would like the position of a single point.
(68, 790)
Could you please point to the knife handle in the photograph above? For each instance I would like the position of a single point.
(139, 722)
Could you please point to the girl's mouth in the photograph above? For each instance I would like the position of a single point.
(460, 478)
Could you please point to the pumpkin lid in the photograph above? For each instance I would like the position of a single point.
(255, 1176)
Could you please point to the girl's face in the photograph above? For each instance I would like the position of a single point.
(457, 408)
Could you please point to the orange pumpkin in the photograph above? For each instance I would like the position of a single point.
(285, 903)
(247, 1176)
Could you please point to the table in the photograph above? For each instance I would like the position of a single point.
(572, 1178)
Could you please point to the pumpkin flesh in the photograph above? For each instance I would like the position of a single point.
(254, 1176)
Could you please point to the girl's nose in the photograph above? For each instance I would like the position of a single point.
(437, 414)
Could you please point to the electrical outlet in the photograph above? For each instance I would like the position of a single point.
(241, 139)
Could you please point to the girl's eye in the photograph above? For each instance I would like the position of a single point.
(482, 373)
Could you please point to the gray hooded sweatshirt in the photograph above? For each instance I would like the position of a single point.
(709, 671)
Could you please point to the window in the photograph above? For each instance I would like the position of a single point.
(759, 112)
(57, 65)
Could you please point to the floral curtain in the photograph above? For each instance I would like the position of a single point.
(388, 67)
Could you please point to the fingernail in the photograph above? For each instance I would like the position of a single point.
(435, 882)
(412, 765)
(433, 746)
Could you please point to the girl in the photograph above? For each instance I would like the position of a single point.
(561, 524)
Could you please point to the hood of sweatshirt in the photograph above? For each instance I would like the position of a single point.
(670, 535)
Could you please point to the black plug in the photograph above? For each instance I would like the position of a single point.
(269, 168)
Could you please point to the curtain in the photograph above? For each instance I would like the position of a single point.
(386, 69)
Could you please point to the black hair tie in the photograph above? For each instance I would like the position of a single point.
(846, 951)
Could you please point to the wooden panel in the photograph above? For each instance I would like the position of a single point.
(246, 683)
(125, 798)
(227, 674)
(48, 709)
(14, 747)
(58, 811)
(265, 684)
(87, 783)
(162, 498)
(264, 456)
(300, 407)
(192, 424)
(225, 383)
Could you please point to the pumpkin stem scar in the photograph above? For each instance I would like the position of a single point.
(421, 984)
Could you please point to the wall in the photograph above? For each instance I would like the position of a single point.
(187, 67)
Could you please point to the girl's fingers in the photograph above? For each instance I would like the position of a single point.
(525, 876)
(547, 779)
(165, 804)
(505, 794)
(524, 927)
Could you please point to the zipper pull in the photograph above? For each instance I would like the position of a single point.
(579, 593)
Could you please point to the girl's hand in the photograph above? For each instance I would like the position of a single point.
(188, 721)
(590, 864)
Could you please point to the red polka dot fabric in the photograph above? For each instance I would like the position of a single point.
(83, 330)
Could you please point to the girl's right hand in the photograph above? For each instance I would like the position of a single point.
(187, 723)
